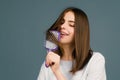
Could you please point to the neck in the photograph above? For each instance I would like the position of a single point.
(67, 52)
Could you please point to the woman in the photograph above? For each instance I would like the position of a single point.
(74, 59)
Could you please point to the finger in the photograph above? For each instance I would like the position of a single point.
(51, 59)
(52, 63)
(46, 64)
(47, 61)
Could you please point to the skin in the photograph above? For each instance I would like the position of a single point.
(67, 41)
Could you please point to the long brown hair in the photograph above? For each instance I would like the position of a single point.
(82, 52)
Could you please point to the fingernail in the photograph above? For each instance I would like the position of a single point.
(46, 65)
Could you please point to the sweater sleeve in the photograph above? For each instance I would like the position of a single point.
(42, 73)
(97, 68)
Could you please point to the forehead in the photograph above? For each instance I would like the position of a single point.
(69, 16)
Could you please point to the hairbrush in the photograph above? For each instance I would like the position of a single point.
(51, 42)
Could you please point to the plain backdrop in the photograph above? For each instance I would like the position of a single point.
(22, 33)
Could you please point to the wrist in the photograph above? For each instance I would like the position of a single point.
(57, 72)
(59, 75)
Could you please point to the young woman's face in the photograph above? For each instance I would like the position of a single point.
(67, 28)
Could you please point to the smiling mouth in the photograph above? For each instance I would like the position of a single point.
(62, 34)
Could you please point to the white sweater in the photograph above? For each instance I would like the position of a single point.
(94, 70)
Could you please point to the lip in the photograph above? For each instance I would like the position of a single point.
(63, 34)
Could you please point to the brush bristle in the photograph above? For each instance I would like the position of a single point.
(51, 42)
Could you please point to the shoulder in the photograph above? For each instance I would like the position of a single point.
(97, 59)
(97, 56)
(45, 70)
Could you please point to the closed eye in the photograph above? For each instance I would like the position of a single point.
(71, 25)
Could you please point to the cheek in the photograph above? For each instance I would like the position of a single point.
(72, 34)
(72, 31)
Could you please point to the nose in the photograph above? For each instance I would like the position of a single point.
(63, 26)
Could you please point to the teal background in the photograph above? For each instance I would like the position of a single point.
(23, 24)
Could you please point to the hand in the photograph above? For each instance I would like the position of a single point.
(53, 61)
